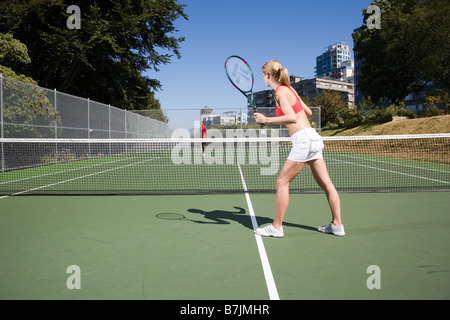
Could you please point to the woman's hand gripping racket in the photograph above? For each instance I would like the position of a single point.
(241, 77)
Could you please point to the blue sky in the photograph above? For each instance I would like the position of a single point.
(294, 32)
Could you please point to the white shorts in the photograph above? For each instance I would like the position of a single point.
(307, 145)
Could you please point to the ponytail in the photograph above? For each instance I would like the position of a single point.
(276, 70)
(284, 77)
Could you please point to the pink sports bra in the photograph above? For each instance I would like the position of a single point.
(297, 106)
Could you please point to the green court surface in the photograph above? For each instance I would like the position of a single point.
(202, 247)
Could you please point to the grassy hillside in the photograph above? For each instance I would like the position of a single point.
(438, 124)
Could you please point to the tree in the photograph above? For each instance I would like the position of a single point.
(411, 49)
(104, 59)
(330, 103)
(13, 53)
(429, 36)
(22, 102)
(439, 97)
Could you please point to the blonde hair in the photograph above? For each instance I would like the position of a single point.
(276, 70)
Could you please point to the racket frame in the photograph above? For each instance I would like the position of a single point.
(249, 93)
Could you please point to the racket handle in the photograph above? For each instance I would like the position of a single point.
(261, 125)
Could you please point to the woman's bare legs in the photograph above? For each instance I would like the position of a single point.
(319, 171)
(289, 171)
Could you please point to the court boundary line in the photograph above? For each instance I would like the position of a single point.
(390, 171)
(63, 171)
(397, 164)
(270, 281)
(73, 179)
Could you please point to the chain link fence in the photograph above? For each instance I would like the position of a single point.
(29, 111)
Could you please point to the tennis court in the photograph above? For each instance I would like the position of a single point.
(185, 245)
(203, 247)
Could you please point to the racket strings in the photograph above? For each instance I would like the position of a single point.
(240, 74)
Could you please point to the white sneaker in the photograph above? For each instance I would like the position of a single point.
(270, 231)
(330, 228)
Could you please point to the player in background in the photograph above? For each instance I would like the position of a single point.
(204, 133)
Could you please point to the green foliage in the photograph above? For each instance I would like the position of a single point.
(27, 104)
(349, 118)
(24, 102)
(411, 48)
(378, 115)
(12, 51)
(330, 103)
(13, 54)
(9, 73)
(439, 98)
(105, 59)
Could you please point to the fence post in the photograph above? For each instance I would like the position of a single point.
(240, 116)
(109, 121)
(56, 111)
(88, 119)
(109, 127)
(320, 121)
(1, 120)
(125, 122)
(56, 125)
(1, 106)
(166, 124)
(89, 128)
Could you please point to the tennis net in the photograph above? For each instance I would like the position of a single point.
(178, 166)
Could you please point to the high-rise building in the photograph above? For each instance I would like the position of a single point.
(310, 88)
(335, 63)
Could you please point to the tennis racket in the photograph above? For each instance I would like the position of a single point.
(241, 77)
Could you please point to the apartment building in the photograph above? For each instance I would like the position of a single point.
(306, 88)
(210, 118)
(335, 63)
(312, 87)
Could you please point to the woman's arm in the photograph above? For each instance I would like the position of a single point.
(306, 108)
(289, 116)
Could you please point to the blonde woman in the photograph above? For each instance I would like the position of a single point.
(307, 148)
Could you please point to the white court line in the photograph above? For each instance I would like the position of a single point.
(64, 171)
(73, 179)
(390, 171)
(270, 282)
(398, 164)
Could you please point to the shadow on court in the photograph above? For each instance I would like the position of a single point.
(226, 217)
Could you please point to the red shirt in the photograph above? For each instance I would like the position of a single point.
(204, 129)
(297, 106)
